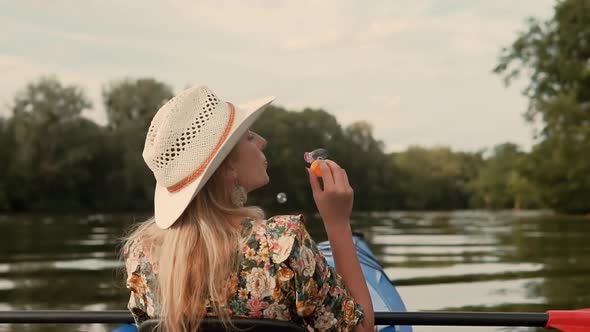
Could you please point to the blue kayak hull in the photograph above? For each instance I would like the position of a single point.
(384, 295)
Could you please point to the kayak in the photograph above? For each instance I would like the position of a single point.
(384, 295)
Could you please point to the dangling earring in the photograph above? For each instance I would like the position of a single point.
(239, 195)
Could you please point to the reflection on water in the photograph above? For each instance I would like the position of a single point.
(466, 260)
(87, 264)
(408, 274)
(474, 294)
(7, 284)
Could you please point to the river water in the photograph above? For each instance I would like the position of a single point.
(462, 261)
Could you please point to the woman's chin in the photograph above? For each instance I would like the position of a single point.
(262, 183)
(266, 180)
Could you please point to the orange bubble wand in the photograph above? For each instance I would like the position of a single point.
(313, 157)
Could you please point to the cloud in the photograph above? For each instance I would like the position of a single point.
(17, 72)
(419, 71)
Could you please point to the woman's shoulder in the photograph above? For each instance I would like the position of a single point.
(133, 247)
(288, 221)
(274, 226)
(140, 243)
(137, 251)
(285, 225)
(280, 233)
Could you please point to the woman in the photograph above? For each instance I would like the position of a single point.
(206, 253)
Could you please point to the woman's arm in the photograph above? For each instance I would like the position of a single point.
(348, 267)
(334, 203)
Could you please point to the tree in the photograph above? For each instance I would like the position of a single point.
(367, 168)
(55, 146)
(289, 135)
(130, 106)
(556, 55)
(435, 178)
(500, 183)
(6, 151)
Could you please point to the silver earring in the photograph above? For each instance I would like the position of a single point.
(238, 196)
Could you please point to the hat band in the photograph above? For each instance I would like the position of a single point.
(194, 175)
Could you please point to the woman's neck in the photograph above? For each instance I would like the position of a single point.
(236, 220)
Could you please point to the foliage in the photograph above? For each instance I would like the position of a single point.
(500, 183)
(436, 178)
(56, 160)
(556, 55)
(130, 105)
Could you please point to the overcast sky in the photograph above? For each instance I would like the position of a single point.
(420, 71)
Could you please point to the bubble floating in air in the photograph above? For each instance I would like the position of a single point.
(281, 198)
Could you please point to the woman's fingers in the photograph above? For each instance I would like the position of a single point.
(313, 181)
(334, 177)
(339, 176)
(327, 177)
(335, 199)
(344, 178)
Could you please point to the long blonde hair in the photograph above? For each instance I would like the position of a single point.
(196, 257)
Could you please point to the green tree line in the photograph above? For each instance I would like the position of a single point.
(53, 159)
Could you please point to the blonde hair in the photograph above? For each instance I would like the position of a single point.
(197, 256)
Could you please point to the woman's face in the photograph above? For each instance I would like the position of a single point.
(249, 162)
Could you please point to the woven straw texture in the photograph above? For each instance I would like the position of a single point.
(184, 133)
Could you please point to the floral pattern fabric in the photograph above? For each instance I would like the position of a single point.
(283, 276)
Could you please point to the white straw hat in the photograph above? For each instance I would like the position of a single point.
(188, 139)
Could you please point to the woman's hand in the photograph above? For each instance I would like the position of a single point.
(335, 200)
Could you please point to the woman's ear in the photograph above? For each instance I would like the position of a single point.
(228, 169)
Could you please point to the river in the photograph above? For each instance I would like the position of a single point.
(462, 260)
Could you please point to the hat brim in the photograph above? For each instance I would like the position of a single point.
(169, 206)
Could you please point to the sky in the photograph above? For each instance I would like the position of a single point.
(419, 71)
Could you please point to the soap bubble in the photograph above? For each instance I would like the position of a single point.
(317, 154)
(281, 198)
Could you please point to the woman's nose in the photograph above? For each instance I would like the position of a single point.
(263, 143)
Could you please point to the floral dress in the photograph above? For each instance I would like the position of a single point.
(283, 276)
